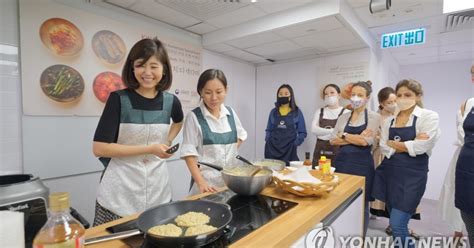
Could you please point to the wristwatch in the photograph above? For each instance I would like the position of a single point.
(343, 136)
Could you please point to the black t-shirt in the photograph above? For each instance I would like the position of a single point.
(108, 127)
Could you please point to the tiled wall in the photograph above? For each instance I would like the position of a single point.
(10, 90)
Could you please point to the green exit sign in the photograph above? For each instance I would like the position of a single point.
(404, 38)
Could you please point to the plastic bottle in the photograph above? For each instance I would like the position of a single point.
(327, 167)
(321, 162)
(61, 230)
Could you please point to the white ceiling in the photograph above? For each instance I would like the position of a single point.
(441, 44)
(287, 29)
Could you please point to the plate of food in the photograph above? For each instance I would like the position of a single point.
(108, 47)
(106, 82)
(62, 83)
(61, 37)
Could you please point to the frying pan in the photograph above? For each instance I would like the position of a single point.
(219, 213)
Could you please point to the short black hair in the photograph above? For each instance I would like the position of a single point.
(144, 49)
(338, 90)
(208, 75)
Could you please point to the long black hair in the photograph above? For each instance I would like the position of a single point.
(293, 105)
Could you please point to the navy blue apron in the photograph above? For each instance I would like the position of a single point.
(400, 181)
(356, 160)
(464, 181)
(281, 143)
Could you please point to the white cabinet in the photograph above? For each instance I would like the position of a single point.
(345, 220)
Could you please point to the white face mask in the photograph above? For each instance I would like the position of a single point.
(331, 100)
(404, 104)
(392, 108)
(357, 102)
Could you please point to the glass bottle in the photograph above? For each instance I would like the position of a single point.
(61, 230)
(307, 160)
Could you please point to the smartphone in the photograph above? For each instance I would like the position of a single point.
(173, 149)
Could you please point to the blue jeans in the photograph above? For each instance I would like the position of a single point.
(399, 223)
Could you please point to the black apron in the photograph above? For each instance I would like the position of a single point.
(464, 181)
(356, 160)
(323, 147)
(281, 143)
(400, 181)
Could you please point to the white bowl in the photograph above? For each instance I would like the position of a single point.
(296, 164)
(332, 169)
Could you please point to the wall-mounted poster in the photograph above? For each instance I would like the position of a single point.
(72, 59)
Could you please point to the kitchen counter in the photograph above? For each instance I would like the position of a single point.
(283, 231)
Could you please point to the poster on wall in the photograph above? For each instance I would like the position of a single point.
(72, 59)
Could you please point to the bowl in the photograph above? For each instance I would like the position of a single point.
(243, 184)
(297, 164)
(273, 164)
(332, 169)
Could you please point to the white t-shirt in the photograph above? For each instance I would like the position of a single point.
(323, 133)
(192, 133)
(427, 122)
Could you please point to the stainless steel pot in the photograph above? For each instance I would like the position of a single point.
(242, 183)
(245, 184)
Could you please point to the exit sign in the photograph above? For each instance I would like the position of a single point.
(404, 38)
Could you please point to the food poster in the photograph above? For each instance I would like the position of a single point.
(72, 59)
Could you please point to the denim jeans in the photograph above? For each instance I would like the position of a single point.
(399, 223)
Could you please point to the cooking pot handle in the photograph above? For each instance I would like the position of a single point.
(216, 167)
(244, 160)
(114, 236)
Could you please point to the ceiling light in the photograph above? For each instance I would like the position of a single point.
(450, 6)
(253, 1)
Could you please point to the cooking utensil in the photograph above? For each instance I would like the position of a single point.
(213, 166)
(219, 213)
(243, 183)
(247, 184)
(257, 168)
(244, 160)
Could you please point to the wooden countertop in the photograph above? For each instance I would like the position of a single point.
(279, 232)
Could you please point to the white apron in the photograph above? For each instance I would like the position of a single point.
(218, 148)
(449, 213)
(135, 183)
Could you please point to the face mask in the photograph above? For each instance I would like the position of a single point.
(404, 104)
(283, 99)
(391, 108)
(357, 102)
(331, 100)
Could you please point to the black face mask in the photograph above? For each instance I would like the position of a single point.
(283, 99)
